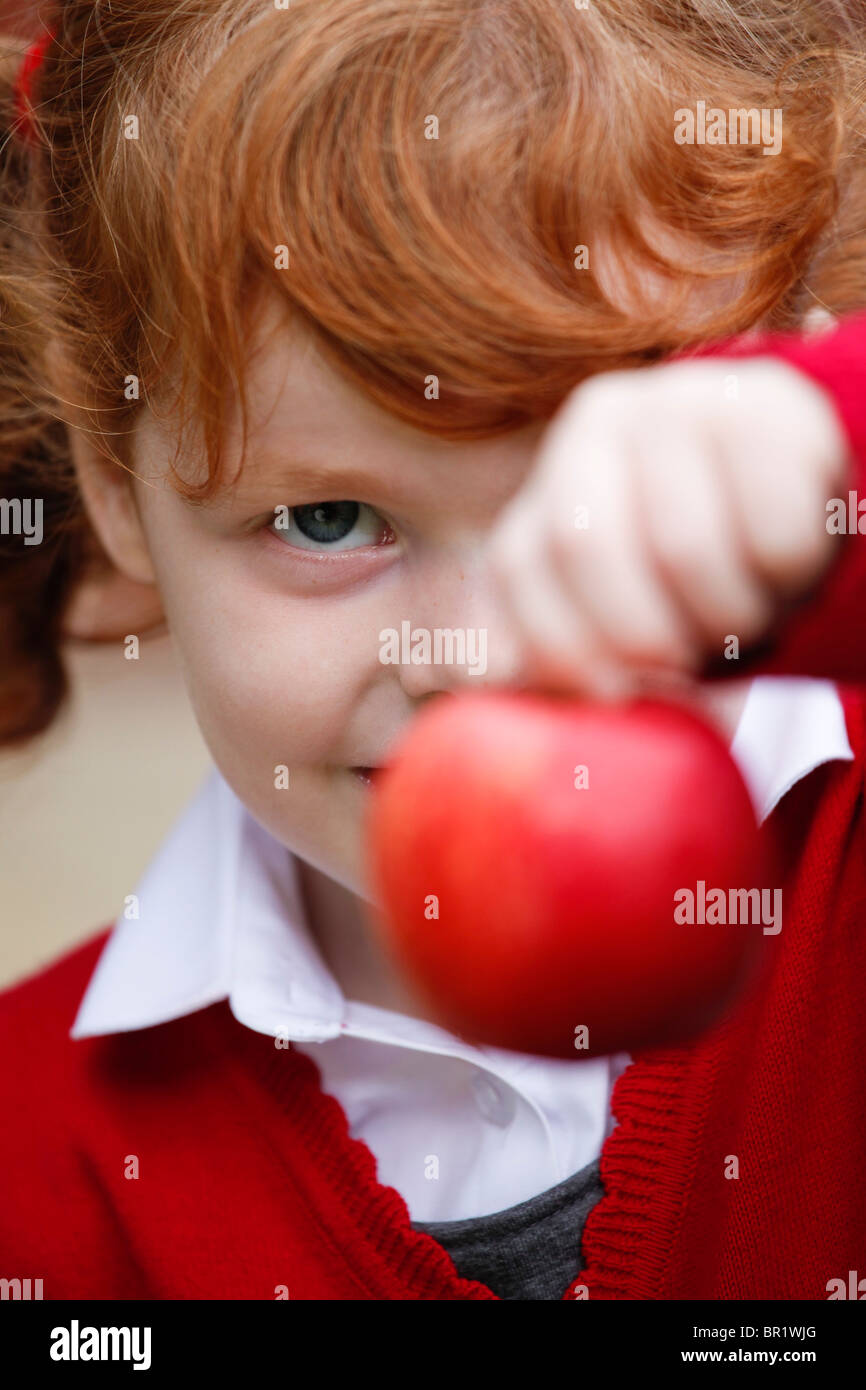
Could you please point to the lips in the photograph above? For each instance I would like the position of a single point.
(366, 774)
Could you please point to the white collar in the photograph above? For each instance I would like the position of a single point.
(221, 915)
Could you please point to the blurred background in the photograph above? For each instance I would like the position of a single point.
(84, 808)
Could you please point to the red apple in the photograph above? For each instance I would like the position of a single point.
(532, 856)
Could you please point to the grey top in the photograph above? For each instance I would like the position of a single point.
(531, 1251)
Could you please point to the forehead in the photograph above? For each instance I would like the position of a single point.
(305, 418)
(295, 393)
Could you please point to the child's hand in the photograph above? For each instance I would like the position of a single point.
(669, 508)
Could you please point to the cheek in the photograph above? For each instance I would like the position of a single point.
(273, 679)
(279, 685)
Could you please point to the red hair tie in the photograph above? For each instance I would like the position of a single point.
(24, 83)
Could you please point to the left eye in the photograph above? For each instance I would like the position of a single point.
(334, 525)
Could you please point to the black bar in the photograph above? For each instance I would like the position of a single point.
(233, 1338)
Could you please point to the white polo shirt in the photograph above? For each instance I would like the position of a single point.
(458, 1130)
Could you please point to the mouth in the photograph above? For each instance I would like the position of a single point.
(366, 775)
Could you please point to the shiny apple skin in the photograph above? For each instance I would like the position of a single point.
(555, 902)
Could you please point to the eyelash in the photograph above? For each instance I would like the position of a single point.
(285, 523)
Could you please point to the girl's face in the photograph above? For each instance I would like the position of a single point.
(279, 616)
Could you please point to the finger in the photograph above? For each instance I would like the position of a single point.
(558, 648)
(691, 531)
(606, 570)
(780, 509)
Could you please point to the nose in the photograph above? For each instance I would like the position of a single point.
(456, 635)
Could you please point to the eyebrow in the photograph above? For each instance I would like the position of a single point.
(316, 479)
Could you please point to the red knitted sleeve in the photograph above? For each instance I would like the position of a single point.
(825, 634)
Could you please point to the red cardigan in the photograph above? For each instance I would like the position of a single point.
(197, 1160)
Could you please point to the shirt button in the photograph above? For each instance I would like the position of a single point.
(494, 1102)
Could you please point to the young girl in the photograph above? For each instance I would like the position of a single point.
(319, 318)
